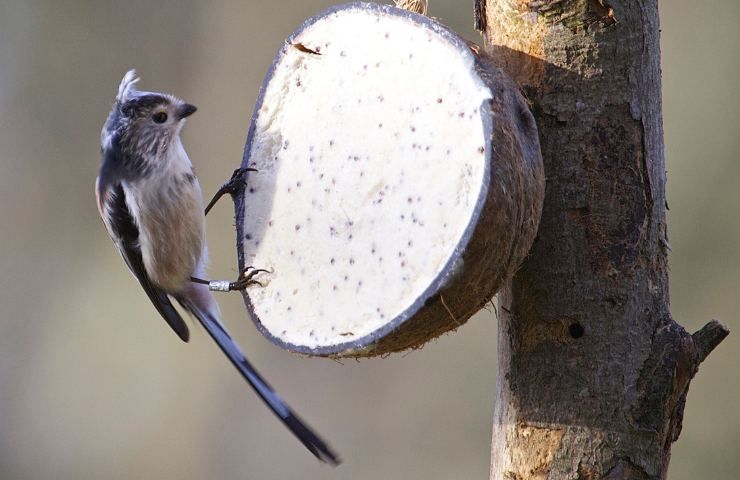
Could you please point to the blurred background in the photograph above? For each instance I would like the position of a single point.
(93, 384)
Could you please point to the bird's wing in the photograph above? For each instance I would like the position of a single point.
(122, 229)
(308, 437)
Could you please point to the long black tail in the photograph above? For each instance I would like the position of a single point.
(312, 441)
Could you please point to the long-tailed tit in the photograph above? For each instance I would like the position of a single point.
(151, 204)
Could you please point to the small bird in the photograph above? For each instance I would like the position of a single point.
(151, 204)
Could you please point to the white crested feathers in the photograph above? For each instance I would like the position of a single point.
(127, 85)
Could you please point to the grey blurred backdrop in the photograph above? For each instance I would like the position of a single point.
(94, 385)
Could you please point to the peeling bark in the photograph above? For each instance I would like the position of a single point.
(593, 371)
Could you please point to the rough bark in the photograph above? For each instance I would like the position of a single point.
(593, 371)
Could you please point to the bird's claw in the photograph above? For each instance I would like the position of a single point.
(247, 278)
(232, 186)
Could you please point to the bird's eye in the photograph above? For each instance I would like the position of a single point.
(159, 117)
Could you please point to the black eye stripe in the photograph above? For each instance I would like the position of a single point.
(143, 105)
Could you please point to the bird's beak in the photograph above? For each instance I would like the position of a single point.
(185, 111)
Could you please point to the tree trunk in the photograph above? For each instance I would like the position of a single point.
(593, 371)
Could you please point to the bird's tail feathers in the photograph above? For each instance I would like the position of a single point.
(207, 315)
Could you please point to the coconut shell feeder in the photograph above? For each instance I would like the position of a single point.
(398, 184)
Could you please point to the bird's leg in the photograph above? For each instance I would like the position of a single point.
(232, 187)
(245, 279)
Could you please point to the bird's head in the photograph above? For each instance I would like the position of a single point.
(144, 124)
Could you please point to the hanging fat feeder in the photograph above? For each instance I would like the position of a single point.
(399, 184)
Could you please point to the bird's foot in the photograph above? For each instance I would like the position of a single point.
(245, 279)
(232, 186)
